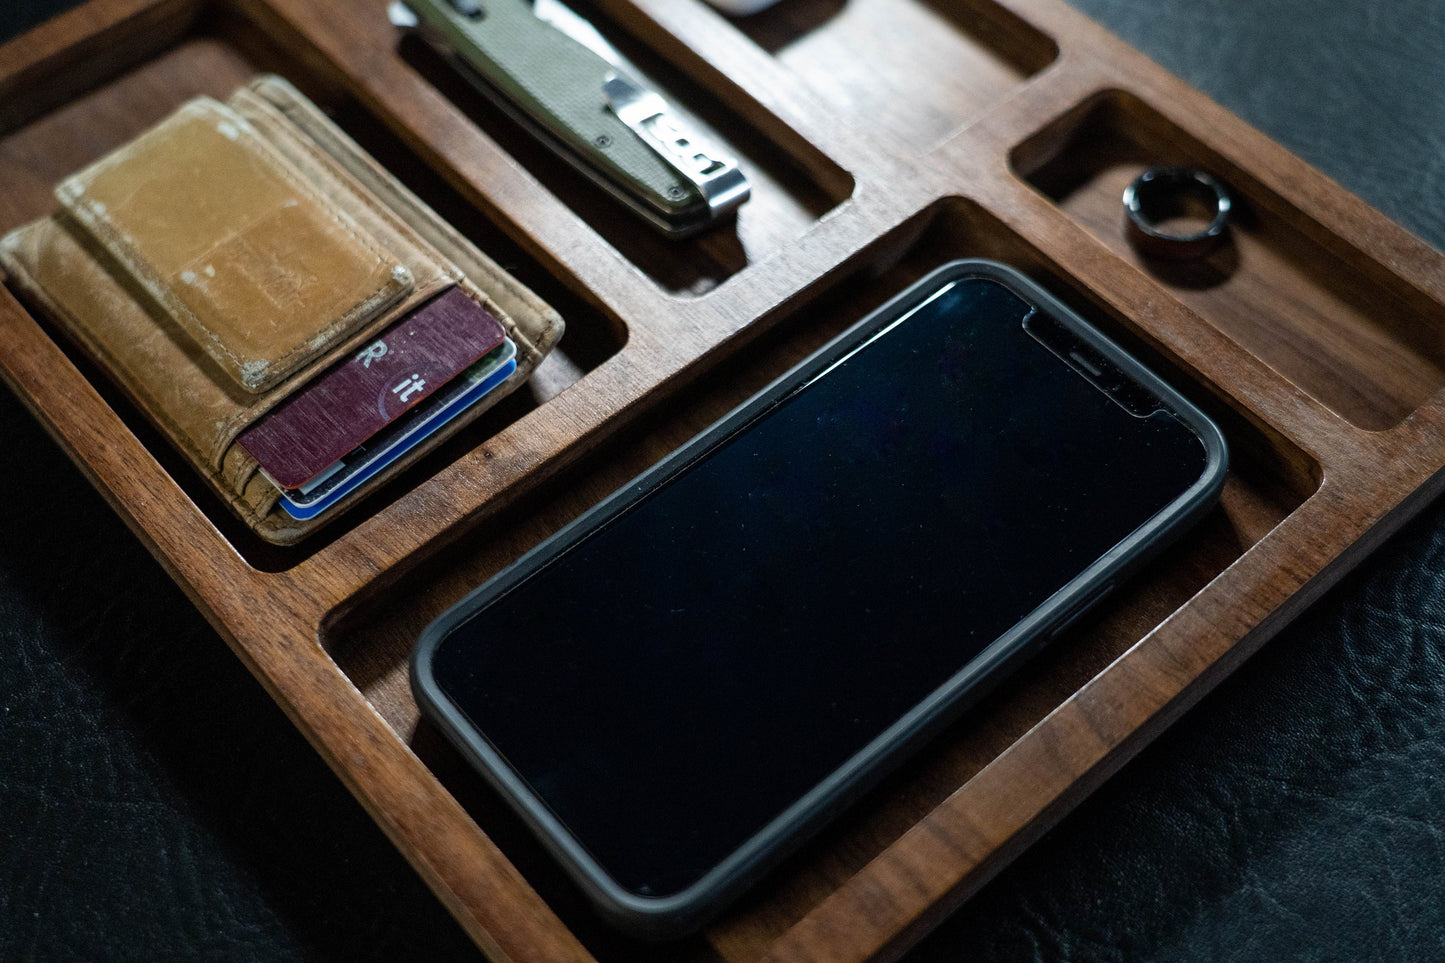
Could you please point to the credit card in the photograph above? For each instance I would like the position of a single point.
(342, 408)
(404, 434)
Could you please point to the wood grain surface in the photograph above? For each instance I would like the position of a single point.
(970, 128)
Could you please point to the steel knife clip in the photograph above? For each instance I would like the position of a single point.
(553, 72)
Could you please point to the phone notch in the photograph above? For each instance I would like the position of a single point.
(1090, 363)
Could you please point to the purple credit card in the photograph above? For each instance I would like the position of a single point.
(348, 404)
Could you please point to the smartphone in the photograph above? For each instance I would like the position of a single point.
(679, 687)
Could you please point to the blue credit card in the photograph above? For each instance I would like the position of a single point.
(401, 436)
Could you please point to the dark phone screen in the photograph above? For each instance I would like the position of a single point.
(682, 675)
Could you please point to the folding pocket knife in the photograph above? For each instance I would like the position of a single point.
(552, 71)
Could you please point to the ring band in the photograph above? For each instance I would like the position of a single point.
(1161, 191)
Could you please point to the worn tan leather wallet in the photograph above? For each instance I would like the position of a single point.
(218, 262)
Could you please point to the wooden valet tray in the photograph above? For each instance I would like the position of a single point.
(882, 137)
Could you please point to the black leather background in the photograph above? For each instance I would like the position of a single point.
(155, 805)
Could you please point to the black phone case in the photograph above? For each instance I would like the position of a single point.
(663, 917)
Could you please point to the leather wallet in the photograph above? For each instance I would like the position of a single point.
(221, 260)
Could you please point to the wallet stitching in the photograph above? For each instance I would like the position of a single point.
(72, 191)
(267, 520)
(313, 127)
(247, 470)
(225, 438)
(384, 198)
(278, 522)
(144, 399)
(374, 204)
(314, 132)
(316, 128)
(363, 194)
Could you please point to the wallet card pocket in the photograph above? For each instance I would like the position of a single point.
(122, 280)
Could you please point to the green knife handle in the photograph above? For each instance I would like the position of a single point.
(557, 83)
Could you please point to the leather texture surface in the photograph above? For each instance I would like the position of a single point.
(157, 806)
(214, 224)
(165, 354)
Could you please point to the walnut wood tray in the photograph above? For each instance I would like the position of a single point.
(883, 137)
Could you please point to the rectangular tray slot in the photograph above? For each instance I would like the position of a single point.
(1365, 345)
(786, 198)
(1325, 293)
(1269, 479)
(914, 72)
(219, 52)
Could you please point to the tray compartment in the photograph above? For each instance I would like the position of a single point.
(912, 72)
(1337, 324)
(212, 51)
(793, 185)
(367, 589)
(371, 642)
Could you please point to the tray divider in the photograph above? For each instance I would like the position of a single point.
(76, 49)
(959, 846)
(792, 114)
(490, 899)
(1326, 490)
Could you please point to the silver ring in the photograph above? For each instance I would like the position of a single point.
(1162, 191)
